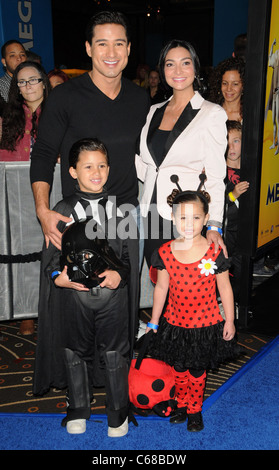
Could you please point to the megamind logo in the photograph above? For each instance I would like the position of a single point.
(272, 194)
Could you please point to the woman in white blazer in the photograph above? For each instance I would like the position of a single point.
(182, 136)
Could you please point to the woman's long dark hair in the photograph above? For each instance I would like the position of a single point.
(216, 77)
(13, 124)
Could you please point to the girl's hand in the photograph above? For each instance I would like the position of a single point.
(159, 298)
(148, 328)
(63, 281)
(229, 331)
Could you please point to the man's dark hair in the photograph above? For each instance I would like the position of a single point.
(240, 43)
(8, 43)
(106, 17)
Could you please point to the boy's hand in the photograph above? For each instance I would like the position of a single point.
(63, 281)
(229, 331)
(112, 279)
(240, 188)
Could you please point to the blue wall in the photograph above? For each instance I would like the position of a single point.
(30, 22)
(230, 19)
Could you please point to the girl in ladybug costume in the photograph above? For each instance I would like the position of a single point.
(191, 335)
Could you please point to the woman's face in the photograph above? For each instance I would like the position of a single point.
(153, 79)
(55, 80)
(231, 86)
(179, 69)
(33, 94)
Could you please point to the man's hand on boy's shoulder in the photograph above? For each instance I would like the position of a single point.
(49, 221)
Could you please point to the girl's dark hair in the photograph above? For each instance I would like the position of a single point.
(172, 45)
(13, 124)
(216, 77)
(178, 197)
(106, 17)
(89, 145)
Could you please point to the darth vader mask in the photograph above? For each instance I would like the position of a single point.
(86, 253)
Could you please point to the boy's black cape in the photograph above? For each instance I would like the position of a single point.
(49, 364)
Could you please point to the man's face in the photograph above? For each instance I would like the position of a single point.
(15, 54)
(109, 51)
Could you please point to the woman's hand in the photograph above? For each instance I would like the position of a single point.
(215, 237)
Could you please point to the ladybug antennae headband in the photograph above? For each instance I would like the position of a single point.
(175, 179)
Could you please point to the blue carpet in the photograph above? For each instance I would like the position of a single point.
(242, 415)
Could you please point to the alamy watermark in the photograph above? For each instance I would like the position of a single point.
(125, 221)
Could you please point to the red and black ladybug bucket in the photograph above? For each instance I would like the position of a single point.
(151, 384)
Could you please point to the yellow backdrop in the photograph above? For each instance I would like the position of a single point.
(268, 228)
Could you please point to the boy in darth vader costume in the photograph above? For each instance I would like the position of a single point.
(88, 297)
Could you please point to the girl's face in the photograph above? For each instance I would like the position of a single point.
(231, 86)
(179, 69)
(190, 219)
(91, 171)
(33, 94)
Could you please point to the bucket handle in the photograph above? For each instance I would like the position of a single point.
(143, 348)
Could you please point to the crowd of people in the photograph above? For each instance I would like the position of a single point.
(108, 133)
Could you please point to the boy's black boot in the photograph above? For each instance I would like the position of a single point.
(117, 393)
(78, 389)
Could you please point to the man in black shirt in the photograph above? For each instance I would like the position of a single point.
(100, 104)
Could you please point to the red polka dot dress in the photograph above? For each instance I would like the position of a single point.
(191, 328)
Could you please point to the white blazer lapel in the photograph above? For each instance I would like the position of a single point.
(183, 126)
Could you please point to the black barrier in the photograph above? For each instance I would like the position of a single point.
(258, 37)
